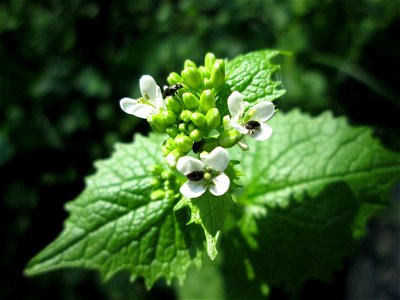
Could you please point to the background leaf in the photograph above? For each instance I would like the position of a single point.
(309, 191)
(113, 224)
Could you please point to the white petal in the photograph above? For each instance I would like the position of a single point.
(148, 87)
(235, 105)
(160, 103)
(218, 159)
(264, 133)
(219, 185)
(239, 127)
(133, 107)
(193, 189)
(264, 111)
(189, 164)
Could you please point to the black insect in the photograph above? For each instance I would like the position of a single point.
(251, 126)
(195, 175)
(170, 90)
(197, 146)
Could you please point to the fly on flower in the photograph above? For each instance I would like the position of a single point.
(150, 103)
(205, 173)
(251, 123)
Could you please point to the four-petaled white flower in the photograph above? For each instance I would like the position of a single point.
(205, 173)
(252, 123)
(150, 103)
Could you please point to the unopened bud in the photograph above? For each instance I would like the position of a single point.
(218, 73)
(169, 117)
(165, 151)
(157, 195)
(198, 119)
(174, 78)
(229, 138)
(196, 135)
(191, 127)
(208, 145)
(207, 100)
(190, 101)
(209, 60)
(173, 105)
(170, 143)
(172, 131)
(157, 123)
(188, 63)
(204, 72)
(183, 143)
(208, 84)
(182, 127)
(192, 77)
(185, 116)
(213, 118)
(156, 169)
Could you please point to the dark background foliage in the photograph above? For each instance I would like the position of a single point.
(65, 65)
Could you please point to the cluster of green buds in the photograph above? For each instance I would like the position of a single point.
(164, 183)
(190, 114)
(187, 111)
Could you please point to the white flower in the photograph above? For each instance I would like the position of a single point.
(252, 123)
(150, 103)
(205, 173)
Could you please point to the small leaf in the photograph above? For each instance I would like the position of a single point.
(210, 212)
(254, 76)
(113, 224)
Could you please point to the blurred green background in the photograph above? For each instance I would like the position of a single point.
(64, 65)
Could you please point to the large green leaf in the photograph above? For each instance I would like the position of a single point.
(113, 224)
(309, 191)
(305, 155)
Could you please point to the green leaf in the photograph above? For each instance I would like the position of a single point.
(113, 224)
(304, 240)
(255, 76)
(210, 212)
(309, 192)
(305, 155)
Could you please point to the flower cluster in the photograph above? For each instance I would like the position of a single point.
(187, 111)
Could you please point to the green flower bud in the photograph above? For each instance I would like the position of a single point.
(190, 101)
(165, 151)
(174, 78)
(192, 77)
(182, 127)
(196, 135)
(226, 121)
(229, 138)
(172, 131)
(188, 63)
(207, 100)
(209, 60)
(218, 73)
(173, 105)
(157, 123)
(157, 195)
(185, 116)
(170, 143)
(183, 143)
(191, 127)
(169, 117)
(213, 118)
(155, 183)
(172, 158)
(156, 169)
(167, 175)
(204, 72)
(208, 85)
(198, 119)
